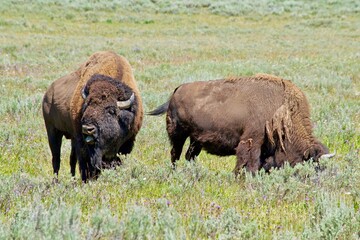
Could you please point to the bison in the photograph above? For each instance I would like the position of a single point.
(99, 108)
(264, 120)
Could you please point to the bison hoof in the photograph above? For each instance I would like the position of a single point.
(55, 180)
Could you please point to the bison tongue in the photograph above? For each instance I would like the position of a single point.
(95, 157)
(89, 139)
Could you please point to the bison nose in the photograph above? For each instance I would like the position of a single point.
(89, 133)
(88, 129)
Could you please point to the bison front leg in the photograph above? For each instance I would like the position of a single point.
(83, 158)
(83, 169)
(248, 155)
(73, 158)
(127, 147)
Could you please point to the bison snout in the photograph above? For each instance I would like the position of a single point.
(89, 131)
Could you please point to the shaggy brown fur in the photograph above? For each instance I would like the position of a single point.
(107, 64)
(67, 114)
(264, 120)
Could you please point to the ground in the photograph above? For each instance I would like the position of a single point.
(316, 45)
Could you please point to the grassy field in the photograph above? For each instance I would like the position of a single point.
(316, 44)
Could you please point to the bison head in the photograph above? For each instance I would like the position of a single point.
(294, 153)
(107, 117)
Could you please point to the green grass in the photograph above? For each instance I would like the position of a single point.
(316, 44)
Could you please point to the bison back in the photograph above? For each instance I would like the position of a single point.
(109, 64)
(56, 103)
(219, 113)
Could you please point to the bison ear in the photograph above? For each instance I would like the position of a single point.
(84, 92)
(306, 154)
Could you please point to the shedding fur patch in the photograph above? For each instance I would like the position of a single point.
(279, 126)
(268, 77)
(233, 79)
(260, 77)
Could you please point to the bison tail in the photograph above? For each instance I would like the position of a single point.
(159, 110)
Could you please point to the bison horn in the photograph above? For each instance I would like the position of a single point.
(83, 93)
(127, 103)
(328, 155)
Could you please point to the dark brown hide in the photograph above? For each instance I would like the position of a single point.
(87, 122)
(264, 120)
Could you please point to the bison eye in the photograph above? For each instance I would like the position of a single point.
(111, 110)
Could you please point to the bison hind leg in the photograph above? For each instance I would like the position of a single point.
(193, 150)
(177, 134)
(177, 142)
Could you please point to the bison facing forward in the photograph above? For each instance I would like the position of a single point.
(99, 108)
(264, 120)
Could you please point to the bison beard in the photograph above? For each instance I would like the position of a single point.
(108, 114)
(107, 139)
(95, 155)
(264, 120)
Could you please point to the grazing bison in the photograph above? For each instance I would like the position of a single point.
(99, 108)
(264, 120)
